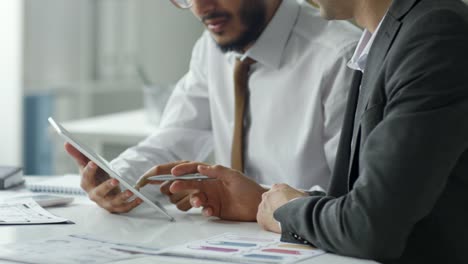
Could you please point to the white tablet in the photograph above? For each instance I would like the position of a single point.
(104, 165)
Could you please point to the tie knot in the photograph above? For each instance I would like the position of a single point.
(243, 66)
(245, 62)
(248, 61)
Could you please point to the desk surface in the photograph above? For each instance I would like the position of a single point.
(142, 226)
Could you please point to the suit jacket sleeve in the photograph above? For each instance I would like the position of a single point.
(407, 158)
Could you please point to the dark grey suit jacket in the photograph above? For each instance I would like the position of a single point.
(399, 191)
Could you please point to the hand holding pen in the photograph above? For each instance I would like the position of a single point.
(160, 175)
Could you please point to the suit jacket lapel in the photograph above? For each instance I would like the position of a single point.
(382, 44)
(338, 184)
(379, 50)
(350, 137)
(400, 8)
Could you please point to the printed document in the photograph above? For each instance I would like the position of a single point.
(26, 212)
(235, 248)
(73, 249)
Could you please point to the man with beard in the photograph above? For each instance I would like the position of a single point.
(266, 91)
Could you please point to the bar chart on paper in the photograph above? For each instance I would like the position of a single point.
(233, 248)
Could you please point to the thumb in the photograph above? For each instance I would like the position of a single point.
(216, 172)
(80, 159)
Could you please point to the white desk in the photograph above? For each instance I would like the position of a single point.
(125, 128)
(142, 226)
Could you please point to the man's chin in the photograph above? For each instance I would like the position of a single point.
(222, 38)
(228, 47)
(228, 41)
(227, 44)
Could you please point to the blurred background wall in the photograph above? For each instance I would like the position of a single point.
(11, 12)
(77, 59)
(80, 60)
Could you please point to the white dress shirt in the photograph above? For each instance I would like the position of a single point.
(359, 60)
(297, 94)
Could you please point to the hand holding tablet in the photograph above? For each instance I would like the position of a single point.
(105, 166)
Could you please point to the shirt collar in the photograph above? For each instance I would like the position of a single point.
(359, 60)
(269, 47)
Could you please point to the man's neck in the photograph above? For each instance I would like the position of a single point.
(369, 13)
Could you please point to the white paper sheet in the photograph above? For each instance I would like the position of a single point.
(26, 212)
(234, 248)
(73, 249)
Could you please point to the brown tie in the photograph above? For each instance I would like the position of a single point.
(241, 78)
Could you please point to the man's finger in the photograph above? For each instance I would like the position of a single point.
(208, 211)
(279, 186)
(143, 182)
(177, 197)
(216, 171)
(186, 168)
(184, 204)
(101, 191)
(126, 207)
(165, 188)
(198, 199)
(80, 159)
(181, 186)
(121, 198)
(129, 206)
(156, 170)
(162, 169)
(88, 179)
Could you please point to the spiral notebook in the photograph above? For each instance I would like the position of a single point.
(68, 184)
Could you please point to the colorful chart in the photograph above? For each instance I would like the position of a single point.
(235, 248)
